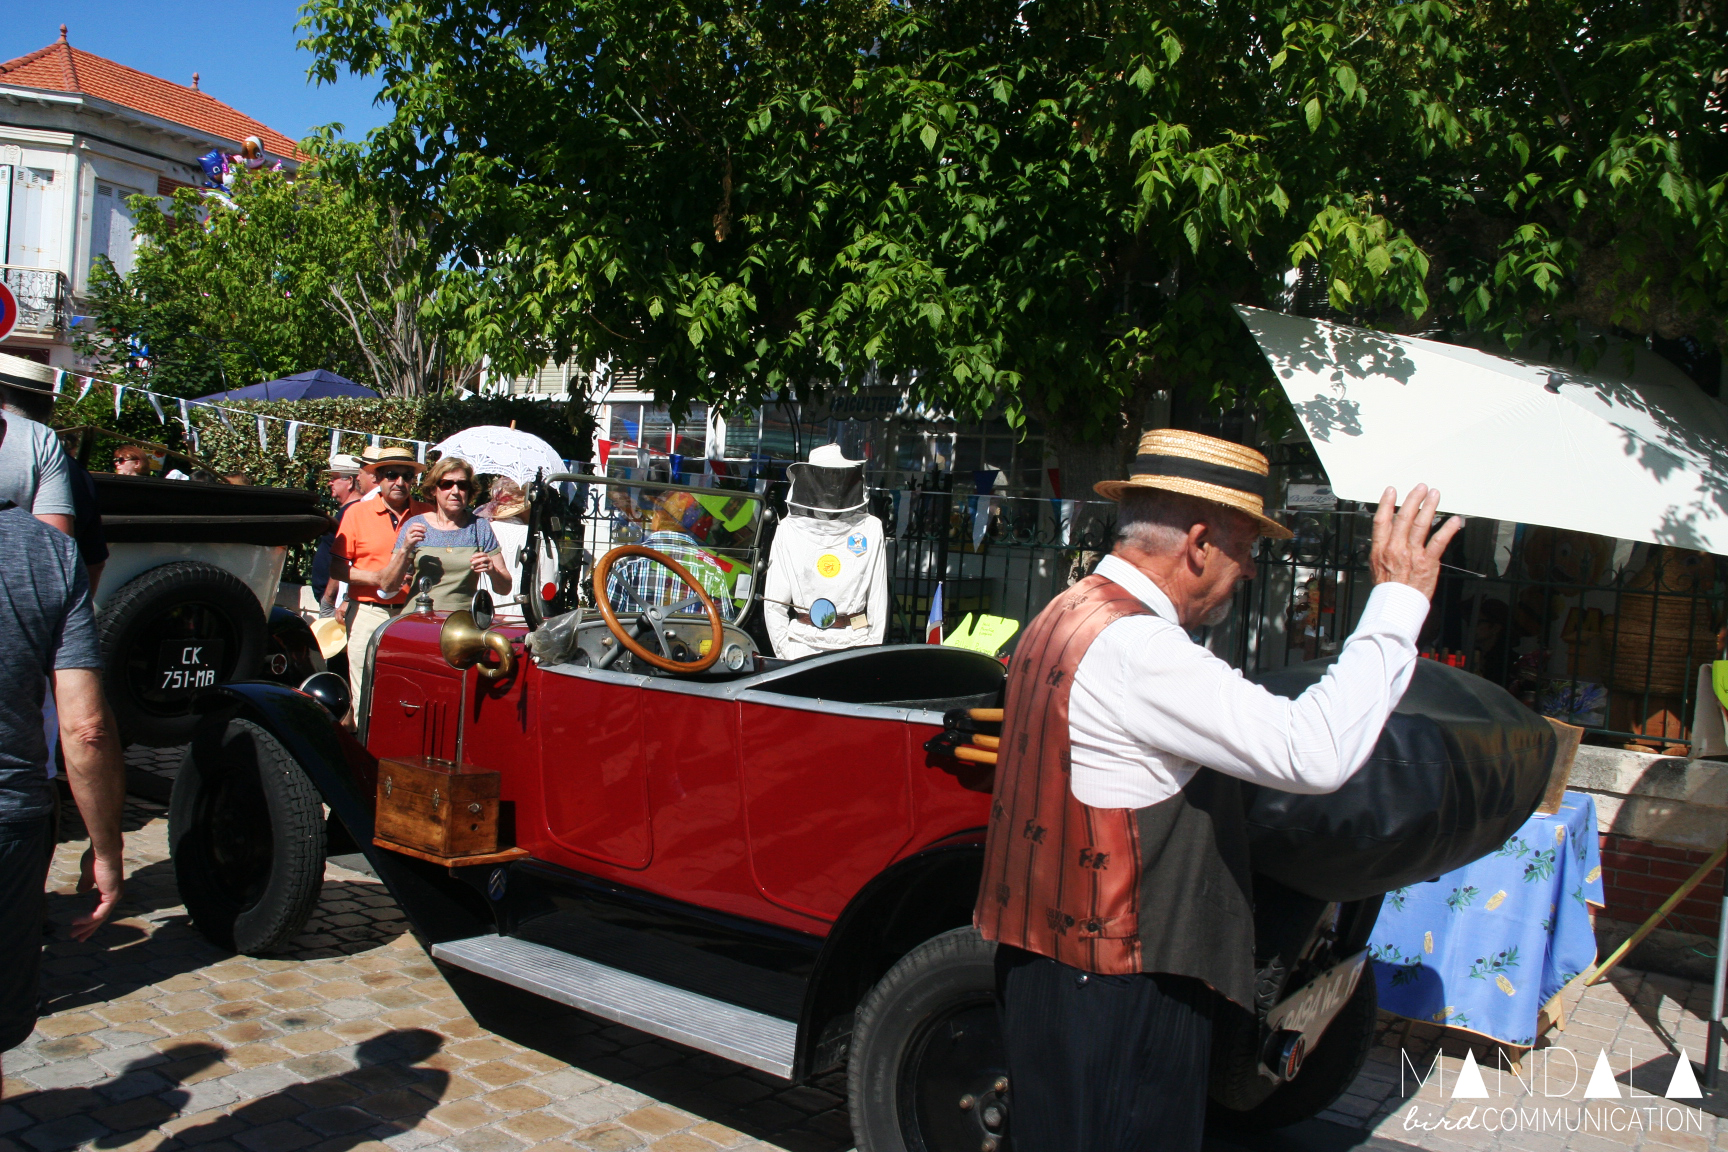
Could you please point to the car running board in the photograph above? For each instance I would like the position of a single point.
(755, 1039)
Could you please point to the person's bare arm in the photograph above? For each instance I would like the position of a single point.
(56, 520)
(97, 774)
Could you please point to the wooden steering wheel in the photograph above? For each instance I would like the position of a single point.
(656, 614)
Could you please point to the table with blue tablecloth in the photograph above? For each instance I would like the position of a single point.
(1484, 948)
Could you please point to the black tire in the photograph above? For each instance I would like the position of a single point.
(179, 602)
(1326, 1073)
(246, 833)
(925, 1037)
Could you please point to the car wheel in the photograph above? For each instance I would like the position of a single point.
(1329, 1069)
(168, 633)
(246, 833)
(928, 1071)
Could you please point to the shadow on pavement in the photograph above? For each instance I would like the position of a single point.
(800, 1118)
(379, 1092)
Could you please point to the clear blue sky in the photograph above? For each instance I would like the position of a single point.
(243, 50)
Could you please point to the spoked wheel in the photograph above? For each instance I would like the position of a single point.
(928, 1071)
(246, 832)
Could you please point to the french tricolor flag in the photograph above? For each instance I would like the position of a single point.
(933, 627)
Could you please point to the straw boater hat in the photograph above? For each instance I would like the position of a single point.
(17, 372)
(376, 458)
(1203, 467)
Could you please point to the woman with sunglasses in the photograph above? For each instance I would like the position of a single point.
(450, 545)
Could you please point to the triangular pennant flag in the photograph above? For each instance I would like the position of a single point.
(675, 463)
(196, 447)
(223, 413)
(263, 441)
(1602, 1085)
(1055, 482)
(605, 453)
(1683, 1085)
(420, 451)
(59, 380)
(185, 416)
(84, 390)
(293, 437)
(119, 393)
(933, 623)
(335, 441)
(373, 440)
(156, 403)
(1469, 1084)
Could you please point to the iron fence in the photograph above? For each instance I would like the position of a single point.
(42, 294)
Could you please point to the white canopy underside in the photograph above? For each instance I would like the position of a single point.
(1644, 458)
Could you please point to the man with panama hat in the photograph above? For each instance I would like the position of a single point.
(364, 545)
(1116, 874)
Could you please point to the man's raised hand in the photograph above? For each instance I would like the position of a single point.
(1403, 551)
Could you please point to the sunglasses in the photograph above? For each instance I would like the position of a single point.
(394, 474)
(446, 485)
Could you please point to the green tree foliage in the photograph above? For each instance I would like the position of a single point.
(1047, 206)
(288, 275)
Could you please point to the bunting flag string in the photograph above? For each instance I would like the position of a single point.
(155, 399)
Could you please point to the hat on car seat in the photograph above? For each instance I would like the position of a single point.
(1204, 467)
(828, 486)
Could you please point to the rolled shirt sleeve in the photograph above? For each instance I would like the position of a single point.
(1149, 706)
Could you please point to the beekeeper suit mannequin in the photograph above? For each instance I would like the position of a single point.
(827, 586)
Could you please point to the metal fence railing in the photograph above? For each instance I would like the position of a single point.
(43, 297)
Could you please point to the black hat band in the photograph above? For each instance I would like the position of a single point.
(1187, 468)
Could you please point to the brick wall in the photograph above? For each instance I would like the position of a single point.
(1637, 876)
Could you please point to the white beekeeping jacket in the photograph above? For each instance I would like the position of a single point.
(840, 561)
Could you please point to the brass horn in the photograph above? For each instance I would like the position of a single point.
(463, 643)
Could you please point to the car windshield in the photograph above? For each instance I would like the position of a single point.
(712, 532)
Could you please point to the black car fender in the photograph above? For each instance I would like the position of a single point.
(438, 905)
(910, 901)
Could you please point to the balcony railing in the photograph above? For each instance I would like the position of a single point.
(44, 298)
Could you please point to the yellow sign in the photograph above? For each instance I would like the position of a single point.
(828, 565)
(987, 634)
(705, 647)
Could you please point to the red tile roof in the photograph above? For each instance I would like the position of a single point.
(63, 68)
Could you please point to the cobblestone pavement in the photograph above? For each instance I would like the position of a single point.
(1641, 1021)
(154, 1039)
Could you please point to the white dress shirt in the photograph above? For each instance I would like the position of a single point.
(1149, 706)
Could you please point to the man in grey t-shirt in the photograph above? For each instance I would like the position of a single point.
(34, 473)
(47, 629)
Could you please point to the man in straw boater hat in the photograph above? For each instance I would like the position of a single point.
(1116, 875)
(365, 546)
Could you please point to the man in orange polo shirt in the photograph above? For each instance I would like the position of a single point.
(363, 547)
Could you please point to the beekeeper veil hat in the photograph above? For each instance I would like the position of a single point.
(829, 487)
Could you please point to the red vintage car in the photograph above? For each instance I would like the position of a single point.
(771, 861)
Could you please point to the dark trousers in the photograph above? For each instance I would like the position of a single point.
(1102, 1063)
(25, 849)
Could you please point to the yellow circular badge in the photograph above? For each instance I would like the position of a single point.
(828, 564)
